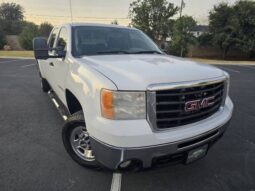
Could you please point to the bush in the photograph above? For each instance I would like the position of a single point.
(175, 49)
(26, 37)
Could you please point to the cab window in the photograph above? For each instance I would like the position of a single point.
(52, 38)
(62, 39)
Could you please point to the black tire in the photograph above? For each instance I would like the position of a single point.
(45, 85)
(76, 120)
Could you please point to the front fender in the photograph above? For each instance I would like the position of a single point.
(86, 84)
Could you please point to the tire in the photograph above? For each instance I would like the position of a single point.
(45, 85)
(73, 123)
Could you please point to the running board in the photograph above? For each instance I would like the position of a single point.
(63, 111)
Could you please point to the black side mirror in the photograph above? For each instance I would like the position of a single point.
(41, 50)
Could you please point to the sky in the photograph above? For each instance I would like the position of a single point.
(101, 11)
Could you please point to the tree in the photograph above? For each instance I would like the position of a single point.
(154, 17)
(182, 37)
(224, 26)
(245, 12)
(27, 35)
(11, 16)
(45, 29)
(205, 39)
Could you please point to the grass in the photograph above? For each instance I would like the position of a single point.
(16, 53)
(222, 62)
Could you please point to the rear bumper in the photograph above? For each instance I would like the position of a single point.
(111, 157)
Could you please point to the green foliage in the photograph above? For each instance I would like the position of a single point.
(224, 26)
(245, 12)
(26, 37)
(154, 17)
(182, 37)
(45, 29)
(234, 26)
(205, 39)
(11, 17)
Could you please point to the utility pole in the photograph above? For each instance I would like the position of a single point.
(182, 5)
(71, 10)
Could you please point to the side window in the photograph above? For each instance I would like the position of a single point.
(62, 39)
(52, 38)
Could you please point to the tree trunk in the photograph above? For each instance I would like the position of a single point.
(251, 54)
(225, 52)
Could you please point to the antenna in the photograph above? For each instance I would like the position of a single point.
(182, 5)
(71, 10)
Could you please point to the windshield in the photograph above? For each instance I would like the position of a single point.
(96, 40)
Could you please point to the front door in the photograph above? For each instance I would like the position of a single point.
(47, 66)
(61, 65)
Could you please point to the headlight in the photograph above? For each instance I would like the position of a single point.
(123, 105)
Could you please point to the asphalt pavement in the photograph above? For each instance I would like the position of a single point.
(32, 156)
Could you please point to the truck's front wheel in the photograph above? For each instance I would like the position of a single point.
(77, 142)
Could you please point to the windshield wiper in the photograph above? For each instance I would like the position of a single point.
(114, 52)
(148, 52)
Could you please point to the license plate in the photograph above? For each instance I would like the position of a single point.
(196, 154)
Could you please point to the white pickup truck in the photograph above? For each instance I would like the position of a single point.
(127, 104)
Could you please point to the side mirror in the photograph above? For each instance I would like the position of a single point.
(41, 50)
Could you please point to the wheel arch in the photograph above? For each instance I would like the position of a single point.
(73, 104)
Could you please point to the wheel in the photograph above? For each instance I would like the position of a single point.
(77, 142)
(45, 85)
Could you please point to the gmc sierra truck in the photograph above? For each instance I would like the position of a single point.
(126, 103)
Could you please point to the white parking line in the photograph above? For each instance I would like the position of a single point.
(25, 66)
(249, 67)
(116, 182)
(9, 61)
(230, 69)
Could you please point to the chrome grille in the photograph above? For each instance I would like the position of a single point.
(166, 108)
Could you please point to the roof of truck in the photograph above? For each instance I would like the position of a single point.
(97, 25)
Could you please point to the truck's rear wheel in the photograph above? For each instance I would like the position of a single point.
(76, 141)
(45, 85)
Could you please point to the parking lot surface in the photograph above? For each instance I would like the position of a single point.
(32, 156)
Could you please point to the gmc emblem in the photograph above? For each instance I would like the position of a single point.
(199, 104)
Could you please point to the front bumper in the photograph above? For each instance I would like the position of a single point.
(111, 157)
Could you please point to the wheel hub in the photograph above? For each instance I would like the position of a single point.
(80, 143)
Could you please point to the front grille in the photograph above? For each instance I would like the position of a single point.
(170, 104)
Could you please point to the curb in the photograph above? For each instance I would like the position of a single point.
(22, 58)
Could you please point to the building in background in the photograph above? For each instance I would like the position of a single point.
(199, 30)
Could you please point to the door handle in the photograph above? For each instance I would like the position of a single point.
(51, 64)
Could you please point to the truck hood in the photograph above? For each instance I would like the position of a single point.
(137, 72)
